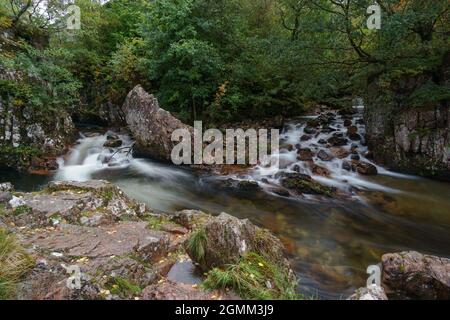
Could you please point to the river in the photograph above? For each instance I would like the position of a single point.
(331, 241)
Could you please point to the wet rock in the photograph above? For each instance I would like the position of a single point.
(365, 168)
(337, 141)
(355, 137)
(150, 125)
(328, 129)
(354, 147)
(287, 146)
(346, 165)
(320, 171)
(347, 122)
(355, 157)
(281, 192)
(305, 154)
(43, 165)
(310, 131)
(326, 118)
(324, 156)
(305, 137)
(240, 185)
(372, 292)
(322, 141)
(352, 130)
(347, 111)
(313, 123)
(303, 184)
(6, 187)
(412, 275)
(113, 143)
(339, 152)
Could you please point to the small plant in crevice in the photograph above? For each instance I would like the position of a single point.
(196, 244)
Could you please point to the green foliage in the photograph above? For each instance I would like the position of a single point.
(14, 263)
(227, 60)
(254, 278)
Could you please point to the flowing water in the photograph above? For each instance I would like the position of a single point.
(331, 242)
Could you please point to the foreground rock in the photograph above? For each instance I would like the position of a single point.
(88, 240)
(411, 275)
(372, 292)
(150, 125)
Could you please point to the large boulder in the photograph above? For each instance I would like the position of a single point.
(226, 239)
(151, 126)
(411, 275)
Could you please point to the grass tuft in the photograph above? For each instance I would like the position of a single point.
(14, 263)
(196, 244)
(254, 278)
(124, 288)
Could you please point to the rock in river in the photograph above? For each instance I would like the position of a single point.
(412, 275)
(150, 125)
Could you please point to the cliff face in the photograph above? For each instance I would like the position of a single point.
(28, 140)
(415, 140)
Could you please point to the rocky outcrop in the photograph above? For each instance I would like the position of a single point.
(227, 239)
(412, 275)
(150, 125)
(29, 139)
(88, 240)
(408, 138)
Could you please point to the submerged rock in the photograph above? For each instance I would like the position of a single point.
(305, 154)
(324, 156)
(365, 168)
(113, 143)
(412, 275)
(337, 141)
(303, 184)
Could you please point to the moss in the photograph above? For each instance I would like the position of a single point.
(108, 196)
(3, 211)
(18, 157)
(196, 244)
(24, 209)
(306, 186)
(156, 222)
(14, 264)
(253, 278)
(123, 287)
